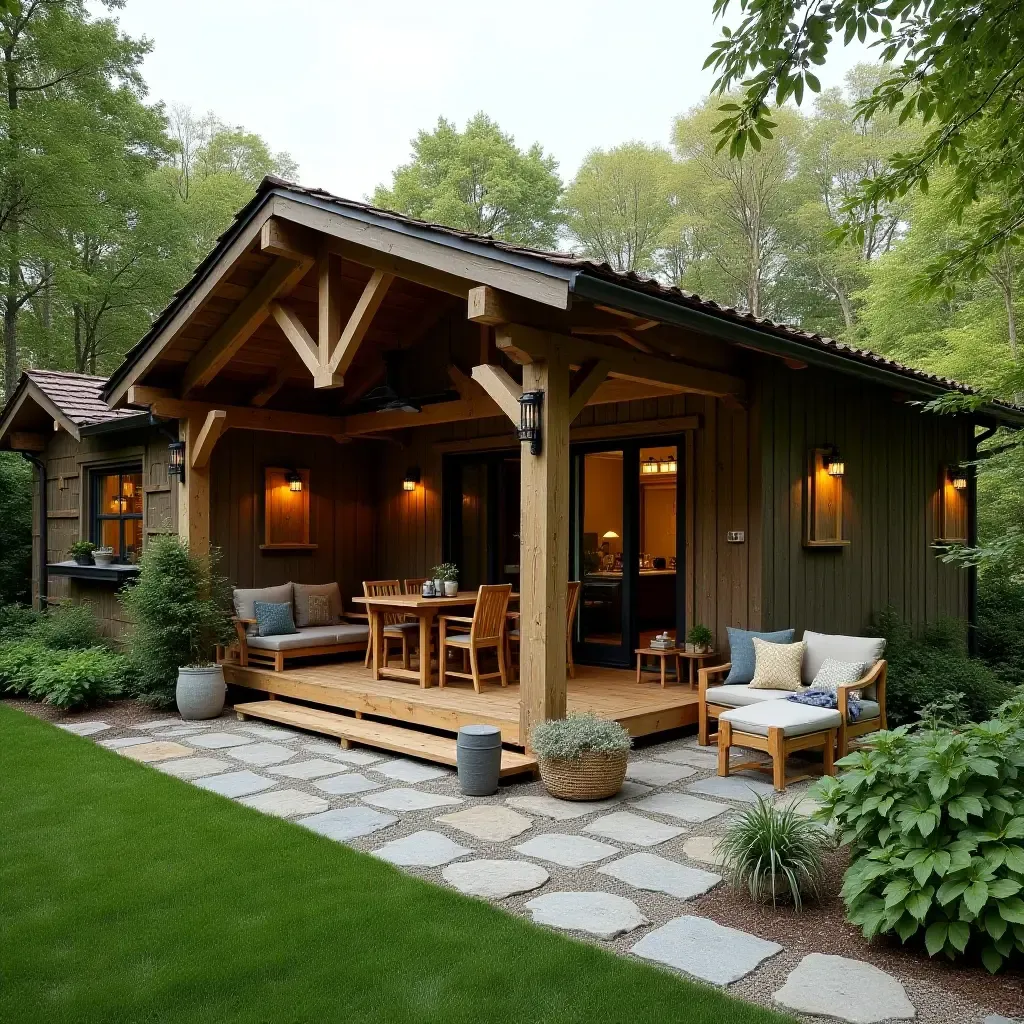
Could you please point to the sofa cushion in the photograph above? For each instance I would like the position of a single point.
(737, 696)
(312, 636)
(834, 674)
(245, 599)
(273, 619)
(304, 591)
(776, 666)
(794, 719)
(866, 649)
(741, 650)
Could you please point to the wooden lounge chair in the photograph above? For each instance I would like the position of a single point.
(396, 625)
(486, 629)
(572, 600)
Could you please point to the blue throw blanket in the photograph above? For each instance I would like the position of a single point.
(826, 699)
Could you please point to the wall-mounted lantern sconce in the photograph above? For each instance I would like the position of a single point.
(412, 478)
(530, 405)
(835, 465)
(958, 477)
(294, 478)
(176, 460)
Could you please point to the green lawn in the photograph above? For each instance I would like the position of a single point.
(128, 896)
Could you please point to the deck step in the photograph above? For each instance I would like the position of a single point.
(424, 745)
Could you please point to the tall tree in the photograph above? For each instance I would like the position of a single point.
(478, 180)
(620, 203)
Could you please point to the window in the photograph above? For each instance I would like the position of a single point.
(117, 511)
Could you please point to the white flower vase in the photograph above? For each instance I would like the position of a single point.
(451, 588)
(200, 692)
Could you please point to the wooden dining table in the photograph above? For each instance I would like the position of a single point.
(426, 609)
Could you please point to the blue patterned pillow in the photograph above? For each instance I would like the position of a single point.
(273, 619)
(741, 651)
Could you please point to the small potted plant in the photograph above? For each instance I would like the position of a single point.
(450, 576)
(103, 556)
(581, 757)
(437, 575)
(81, 551)
(700, 637)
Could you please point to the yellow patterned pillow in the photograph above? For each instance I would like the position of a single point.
(777, 666)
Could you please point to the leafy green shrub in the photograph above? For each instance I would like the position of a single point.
(933, 666)
(15, 528)
(934, 816)
(20, 662)
(774, 851)
(68, 627)
(16, 621)
(1001, 625)
(566, 739)
(179, 610)
(78, 678)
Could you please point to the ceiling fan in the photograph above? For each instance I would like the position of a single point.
(387, 397)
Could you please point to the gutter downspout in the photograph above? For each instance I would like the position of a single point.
(972, 539)
(42, 574)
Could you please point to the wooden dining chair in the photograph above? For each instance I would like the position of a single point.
(397, 626)
(572, 600)
(486, 629)
(414, 585)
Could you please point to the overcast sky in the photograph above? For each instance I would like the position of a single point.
(344, 86)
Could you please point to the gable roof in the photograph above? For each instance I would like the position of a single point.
(596, 282)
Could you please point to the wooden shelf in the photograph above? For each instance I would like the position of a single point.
(826, 543)
(288, 547)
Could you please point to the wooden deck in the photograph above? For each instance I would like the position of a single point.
(643, 708)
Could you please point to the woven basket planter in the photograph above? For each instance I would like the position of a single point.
(592, 776)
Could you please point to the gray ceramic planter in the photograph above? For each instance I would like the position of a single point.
(200, 692)
(478, 753)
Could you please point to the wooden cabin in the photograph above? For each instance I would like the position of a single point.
(689, 463)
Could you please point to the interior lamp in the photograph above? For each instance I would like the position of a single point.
(667, 466)
(412, 478)
(834, 464)
(610, 535)
(650, 466)
(294, 479)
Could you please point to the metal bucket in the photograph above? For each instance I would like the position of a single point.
(478, 753)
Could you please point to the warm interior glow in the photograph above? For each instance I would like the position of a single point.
(610, 535)
(650, 465)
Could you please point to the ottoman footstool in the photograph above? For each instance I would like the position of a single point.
(778, 727)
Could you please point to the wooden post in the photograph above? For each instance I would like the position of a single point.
(194, 494)
(544, 550)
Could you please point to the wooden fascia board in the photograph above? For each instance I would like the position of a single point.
(456, 262)
(202, 291)
(36, 394)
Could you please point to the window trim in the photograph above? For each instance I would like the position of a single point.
(97, 517)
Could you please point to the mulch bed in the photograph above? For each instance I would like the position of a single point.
(121, 714)
(822, 928)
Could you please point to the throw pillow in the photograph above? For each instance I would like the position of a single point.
(318, 611)
(833, 674)
(304, 591)
(741, 651)
(777, 666)
(273, 619)
(245, 599)
(865, 649)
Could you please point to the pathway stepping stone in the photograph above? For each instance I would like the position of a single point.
(598, 913)
(624, 827)
(424, 849)
(733, 787)
(314, 769)
(565, 810)
(678, 805)
(261, 754)
(235, 784)
(844, 989)
(490, 822)
(347, 785)
(705, 950)
(699, 757)
(805, 808)
(657, 773)
(160, 750)
(569, 851)
(85, 728)
(402, 799)
(656, 874)
(997, 1018)
(701, 848)
(494, 879)
(269, 732)
(402, 770)
(176, 731)
(221, 740)
(124, 741)
(347, 823)
(194, 767)
(286, 803)
(161, 723)
(327, 749)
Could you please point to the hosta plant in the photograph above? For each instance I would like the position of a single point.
(934, 817)
(774, 852)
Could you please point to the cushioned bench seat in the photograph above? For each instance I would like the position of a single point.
(312, 636)
(792, 718)
(741, 695)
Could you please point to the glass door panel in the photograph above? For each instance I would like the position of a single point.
(657, 584)
(474, 521)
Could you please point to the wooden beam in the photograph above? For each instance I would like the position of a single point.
(275, 382)
(615, 332)
(298, 337)
(442, 412)
(215, 424)
(638, 322)
(194, 492)
(615, 389)
(359, 322)
(23, 441)
(584, 384)
(504, 391)
(280, 237)
(328, 303)
(282, 276)
(525, 344)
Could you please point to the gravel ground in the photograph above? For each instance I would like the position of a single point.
(942, 994)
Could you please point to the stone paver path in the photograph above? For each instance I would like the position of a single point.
(658, 773)
(235, 784)
(220, 740)
(286, 803)
(361, 758)
(733, 787)
(402, 799)
(598, 913)
(124, 741)
(705, 950)
(625, 827)
(494, 879)
(345, 823)
(569, 851)
(261, 754)
(316, 768)
(701, 848)
(85, 728)
(423, 849)
(850, 990)
(402, 770)
(180, 730)
(346, 785)
(489, 822)
(194, 767)
(269, 732)
(678, 805)
(657, 874)
(158, 750)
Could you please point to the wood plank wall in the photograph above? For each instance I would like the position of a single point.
(893, 453)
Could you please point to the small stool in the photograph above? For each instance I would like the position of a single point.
(661, 653)
(779, 728)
